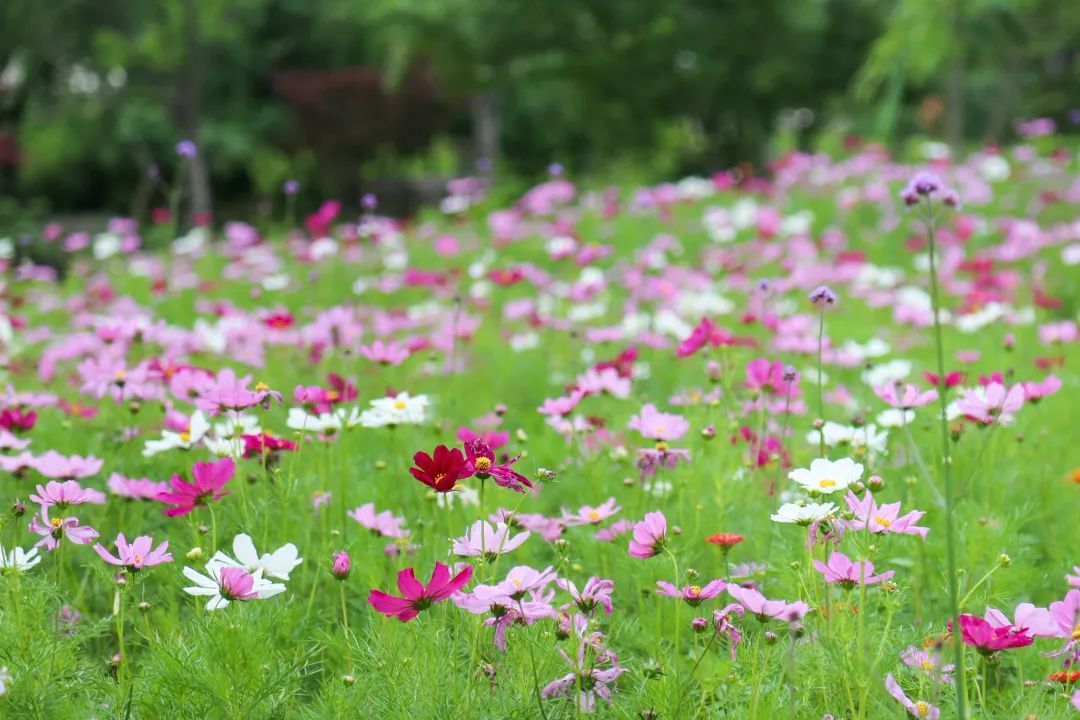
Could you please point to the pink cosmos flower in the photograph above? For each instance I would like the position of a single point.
(756, 604)
(208, 481)
(594, 673)
(136, 488)
(992, 403)
(480, 462)
(657, 425)
(483, 539)
(54, 530)
(1074, 580)
(1065, 616)
(54, 465)
(596, 592)
(649, 536)
(67, 493)
(1036, 391)
(882, 519)
(504, 609)
(492, 438)
(561, 407)
(383, 523)
(389, 353)
(589, 515)
(523, 579)
(840, 569)
(920, 709)
(905, 396)
(693, 595)
(137, 555)
(417, 597)
(927, 662)
(621, 527)
(599, 382)
(1035, 621)
(988, 639)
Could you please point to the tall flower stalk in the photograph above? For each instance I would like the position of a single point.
(921, 191)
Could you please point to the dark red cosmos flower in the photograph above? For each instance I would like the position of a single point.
(256, 445)
(623, 363)
(988, 639)
(481, 463)
(16, 420)
(440, 471)
(952, 379)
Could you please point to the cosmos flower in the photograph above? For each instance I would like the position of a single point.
(480, 462)
(826, 476)
(882, 519)
(657, 425)
(920, 709)
(277, 564)
(65, 494)
(137, 555)
(756, 604)
(589, 515)
(54, 530)
(483, 539)
(649, 536)
(415, 597)
(135, 488)
(796, 514)
(693, 595)
(223, 584)
(383, 523)
(596, 592)
(207, 485)
(841, 570)
(18, 559)
(989, 638)
(441, 470)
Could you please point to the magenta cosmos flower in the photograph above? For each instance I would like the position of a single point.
(649, 536)
(67, 493)
(657, 425)
(693, 595)
(841, 570)
(480, 462)
(208, 479)
(54, 530)
(416, 597)
(882, 519)
(988, 639)
(137, 555)
(597, 592)
(756, 604)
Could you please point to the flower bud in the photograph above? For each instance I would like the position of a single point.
(1004, 560)
(709, 432)
(770, 637)
(18, 508)
(143, 606)
(349, 680)
(699, 624)
(342, 565)
(195, 553)
(876, 483)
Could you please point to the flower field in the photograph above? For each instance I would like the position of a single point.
(733, 447)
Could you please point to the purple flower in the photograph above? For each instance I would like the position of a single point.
(54, 530)
(919, 709)
(596, 592)
(822, 294)
(341, 566)
(693, 595)
(290, 187)
(186, 149)
(882, 519)
(841, 570)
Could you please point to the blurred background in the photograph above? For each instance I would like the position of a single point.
(396, 97)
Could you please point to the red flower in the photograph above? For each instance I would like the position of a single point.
(481, 463)
(442, 471)
(988, 639)
(725, 540)
(416, 597)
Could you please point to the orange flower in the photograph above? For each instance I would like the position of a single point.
(726, 540)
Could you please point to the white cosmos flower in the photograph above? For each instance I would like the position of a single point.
(462, 494)
(237, 425)
(795, 514)
(887, 373)
(224, 583)
(19, 559)
(826, 476)
(197, 428)
(277, 564)
(324, 423)
(895, 417)
(837, 435)
(402, 409)
(5, 679)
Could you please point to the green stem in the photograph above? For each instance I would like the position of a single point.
(946, 463)
(536, 676)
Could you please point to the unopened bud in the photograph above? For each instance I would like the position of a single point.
(195, 553)
(876, 483)
(1004, 560)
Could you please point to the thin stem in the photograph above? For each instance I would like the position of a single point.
(536, 676)
(946, 462)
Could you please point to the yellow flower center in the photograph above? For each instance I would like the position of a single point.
(400, 404)
(693, 590)
(56, 522)
(138, 559)
(923, 708)
(927, 665)
(1076, 633)
(185, 436)
(661, 446)
(439, 478)
(593, 515)
(120, 375)
(883, 522)
(659, 429)
(517, 583)
(482, 464)
(827, 482)
(261, 387)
